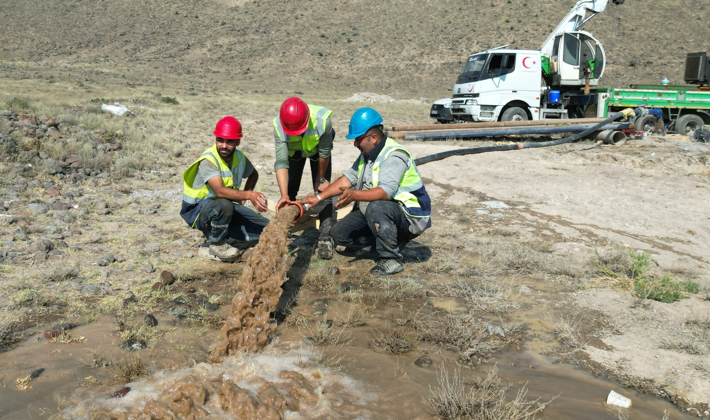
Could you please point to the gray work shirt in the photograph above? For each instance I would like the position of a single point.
(325, 146)
(391, 172)
(207, 171)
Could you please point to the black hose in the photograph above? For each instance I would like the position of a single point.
(512, 131)
(517, 146)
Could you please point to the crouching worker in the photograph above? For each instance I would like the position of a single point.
(212, 201)
(391, 207)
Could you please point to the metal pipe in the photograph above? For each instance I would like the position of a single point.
(611, 137)
(496, 124)
(518, 146)
(520, 131)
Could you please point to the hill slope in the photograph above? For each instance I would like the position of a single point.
(401, 47)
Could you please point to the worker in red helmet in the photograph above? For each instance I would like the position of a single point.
(301, 132)
(212, 201)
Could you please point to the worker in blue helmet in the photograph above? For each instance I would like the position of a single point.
(391, 206)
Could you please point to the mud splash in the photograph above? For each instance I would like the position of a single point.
(280, 383)
(249, 325)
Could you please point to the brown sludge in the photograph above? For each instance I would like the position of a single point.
(249, 325)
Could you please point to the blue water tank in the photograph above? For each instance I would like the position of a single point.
(554, 96)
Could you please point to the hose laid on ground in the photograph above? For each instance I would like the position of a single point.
(512, 131)
(518, 146)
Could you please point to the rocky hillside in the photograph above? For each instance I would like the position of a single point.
(399, 47)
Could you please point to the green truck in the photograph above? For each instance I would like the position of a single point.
(683, 109)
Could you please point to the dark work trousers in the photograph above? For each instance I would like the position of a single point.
(295, 173)
(358, 231)
(221, 219)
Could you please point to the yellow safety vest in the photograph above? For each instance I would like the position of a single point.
(193, 198)
(308, 141)
(411, 192)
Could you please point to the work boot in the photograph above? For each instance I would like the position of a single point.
(387, 266)
(325, 247)
(224, 251)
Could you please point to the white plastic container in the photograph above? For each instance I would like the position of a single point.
(618, 400)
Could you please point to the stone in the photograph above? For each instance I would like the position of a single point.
(431, 293)
(180, 300)
(129, 297)
(150, 320)
(319, 302)
(147, 267)
(167, 278)
(35, 373)
(38, 209)
(133, 344)
(424, 361)
(121, 392)
(75, 285)
(118, 258)
(90, 289)
(61, 244)
(346, 286)
(320, 311)
(57, 253)
(158, 286)
(334, 270)
(43, 245)
(205, 303)
(53, 191)
(178, 310)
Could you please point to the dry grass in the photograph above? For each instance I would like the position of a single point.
(484, 400)
(566, 330)
(395, 340)
(484, 293)
(128, 370)
(696, 343)
(324, 333)
(319, 279)
(472, 336)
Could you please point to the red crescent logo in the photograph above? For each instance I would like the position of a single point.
(470, 88)
(525, 65)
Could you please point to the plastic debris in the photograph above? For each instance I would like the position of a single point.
(116, 109)
(618, 400)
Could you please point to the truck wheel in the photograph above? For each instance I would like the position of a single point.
(514, 114)
(647, 123)
(688, 123)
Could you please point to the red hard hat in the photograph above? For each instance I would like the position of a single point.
(228, 128)
(294, 116)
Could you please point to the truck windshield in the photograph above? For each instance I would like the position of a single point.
(472, 69)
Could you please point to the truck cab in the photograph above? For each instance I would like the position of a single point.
(499, 84)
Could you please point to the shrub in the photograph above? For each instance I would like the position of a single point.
(170, 101)
(18, 105)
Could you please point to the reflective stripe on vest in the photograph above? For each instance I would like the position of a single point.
(411, 192)
(308, 141)
(231, 178)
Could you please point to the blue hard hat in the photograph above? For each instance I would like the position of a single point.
(362, 120)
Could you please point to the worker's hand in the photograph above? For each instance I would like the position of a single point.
(322, 187)
(311, 201)
(258, 200)
(283, 201)
(347, 197)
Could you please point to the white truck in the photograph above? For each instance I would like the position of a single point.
(503, 84)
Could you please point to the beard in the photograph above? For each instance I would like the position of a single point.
(225, 153)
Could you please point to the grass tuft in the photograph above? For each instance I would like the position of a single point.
(170, 101)
(18, 105)
(324, 333)
(395, 341)
(484, 400)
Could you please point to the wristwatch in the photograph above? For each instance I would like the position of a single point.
(322, 180)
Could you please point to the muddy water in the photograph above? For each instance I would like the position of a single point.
(249, 325)
(284, 384)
